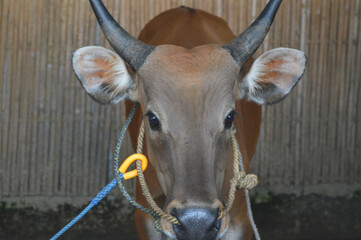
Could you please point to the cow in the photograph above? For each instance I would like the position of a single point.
(196, 83)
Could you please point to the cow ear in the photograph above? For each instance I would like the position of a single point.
(273, 75)
(103, 74)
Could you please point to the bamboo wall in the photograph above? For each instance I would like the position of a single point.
(56, 142)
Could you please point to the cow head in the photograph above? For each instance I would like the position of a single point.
(189, 97)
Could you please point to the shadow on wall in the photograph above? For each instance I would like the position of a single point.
(278, 217)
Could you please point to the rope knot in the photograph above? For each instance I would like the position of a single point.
(247, 181)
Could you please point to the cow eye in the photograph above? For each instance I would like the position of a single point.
(154, 122)
(229, 119)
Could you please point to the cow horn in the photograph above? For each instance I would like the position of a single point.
(245, 45)
(130, 49)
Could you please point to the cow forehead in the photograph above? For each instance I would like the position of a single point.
(176, 72)
(198, 60)
(182, 85)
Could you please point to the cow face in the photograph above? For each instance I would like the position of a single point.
(189, 100)
(188, 97)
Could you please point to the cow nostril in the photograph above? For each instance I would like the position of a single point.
(196, 223)
(217, 225)
(173, 212)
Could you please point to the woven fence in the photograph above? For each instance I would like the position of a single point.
(57, 142)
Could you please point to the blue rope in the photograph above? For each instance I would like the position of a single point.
(93, 203)
(118, 179)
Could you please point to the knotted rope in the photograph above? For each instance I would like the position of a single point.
(240, 178)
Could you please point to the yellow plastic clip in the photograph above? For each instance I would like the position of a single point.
(124, 167)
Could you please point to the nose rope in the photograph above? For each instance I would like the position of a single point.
(144, 184)
(240, 180)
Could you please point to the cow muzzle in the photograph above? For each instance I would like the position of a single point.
(197, 220)
(196, 223)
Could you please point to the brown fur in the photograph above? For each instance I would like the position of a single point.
(189, 29)
(191, 83)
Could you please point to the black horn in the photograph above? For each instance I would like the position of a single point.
(245, 45)
(130, 49)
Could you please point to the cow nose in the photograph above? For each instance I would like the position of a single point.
(196, 223)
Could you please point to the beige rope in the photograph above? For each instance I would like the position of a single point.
(144, 185)
(240, 180)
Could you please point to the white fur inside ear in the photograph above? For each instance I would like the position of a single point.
(118, 77)
(103, 74)
(273, 75)
(253, 80)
